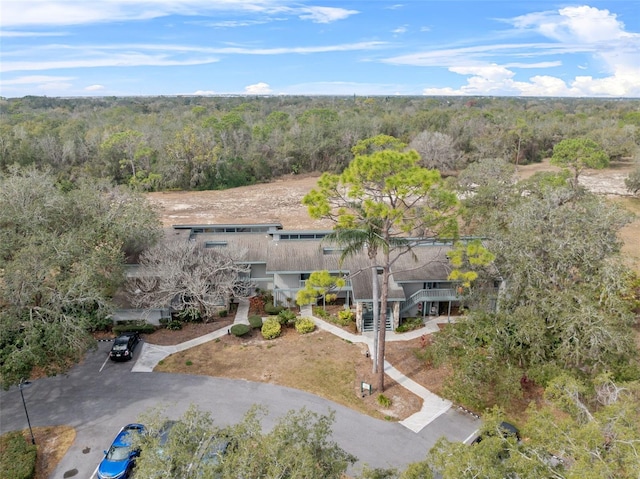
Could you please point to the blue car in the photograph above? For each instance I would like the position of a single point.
(120, 458)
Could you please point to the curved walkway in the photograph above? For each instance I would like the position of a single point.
(432, 405)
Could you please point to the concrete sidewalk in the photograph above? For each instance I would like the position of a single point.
(432, 405)
(152, 354)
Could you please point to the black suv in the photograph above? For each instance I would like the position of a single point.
(123, 346)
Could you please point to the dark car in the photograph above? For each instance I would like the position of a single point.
(123, 346)
(120, 459)
(506, 429)
(209, 457)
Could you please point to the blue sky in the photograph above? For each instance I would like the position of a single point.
(339, 47)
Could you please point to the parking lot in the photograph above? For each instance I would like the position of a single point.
(99, 396)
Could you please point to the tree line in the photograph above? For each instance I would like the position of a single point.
(156, 143)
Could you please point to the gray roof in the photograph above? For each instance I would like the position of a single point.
(248, 247)
(429, 263)
(426, 262)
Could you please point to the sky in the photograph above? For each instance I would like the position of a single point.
(71, 48)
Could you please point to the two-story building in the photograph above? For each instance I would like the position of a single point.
(282, 260)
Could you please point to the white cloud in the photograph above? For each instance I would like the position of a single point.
(571, 30)
(133, 55)
(94, 88)
(258, 89)
(400, 30)
(20, 13)
(35, 79)
(557, 63)
(204, 92)
(11, 34)
(101, 59)
(585, 24)
(492, 73)
(325, 14)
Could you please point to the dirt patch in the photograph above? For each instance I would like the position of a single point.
(319, 363)
(281, 202)
(276, 202)
(166, 337)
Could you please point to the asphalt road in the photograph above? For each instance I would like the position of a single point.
(99, 396)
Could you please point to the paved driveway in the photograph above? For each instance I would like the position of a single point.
(98, 396)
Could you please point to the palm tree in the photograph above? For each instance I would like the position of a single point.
(372, 238)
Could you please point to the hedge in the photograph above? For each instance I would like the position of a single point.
(141, 328)
(240, 329)
(305, 325)
(18, 458)
(271, 309)
(255, 321)
(271, 329)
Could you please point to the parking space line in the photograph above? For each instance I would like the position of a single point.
(474, 433)
(104, 364)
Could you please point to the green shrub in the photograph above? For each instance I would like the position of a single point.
(271, 329)
(384, 401)
(321, 312)
(18, 458)
(140, 328)
(223, 313)
(286, 317)
(305, 325)
(345, 317)
(239, 329)
(255, 321)
(174, 325)
(101, 323)
(271, 309)
(192, 315)
(410, 324)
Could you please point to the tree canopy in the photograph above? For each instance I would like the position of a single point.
(563, 306)
(189, 277)
(221, 142)
(578, 154)
(62, 253)
(298, 446)
(388, 196)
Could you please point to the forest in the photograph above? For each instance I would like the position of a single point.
(198, 143)
(567, 321)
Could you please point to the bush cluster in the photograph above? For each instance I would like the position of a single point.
(18, 458)
(255, 321)
(321, 312)
(140, 328)
(384, 401)
(271, 329)
(192, 315)
(286, 317)
(174, 325)
(346, 317)
(305, 325)
(240, 329)
(271, 309)
(409, 324)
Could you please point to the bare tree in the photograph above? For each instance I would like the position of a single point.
(187, 275)
(437, 150)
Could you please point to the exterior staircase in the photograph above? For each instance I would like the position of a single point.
(367, 323)
(429, 295)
